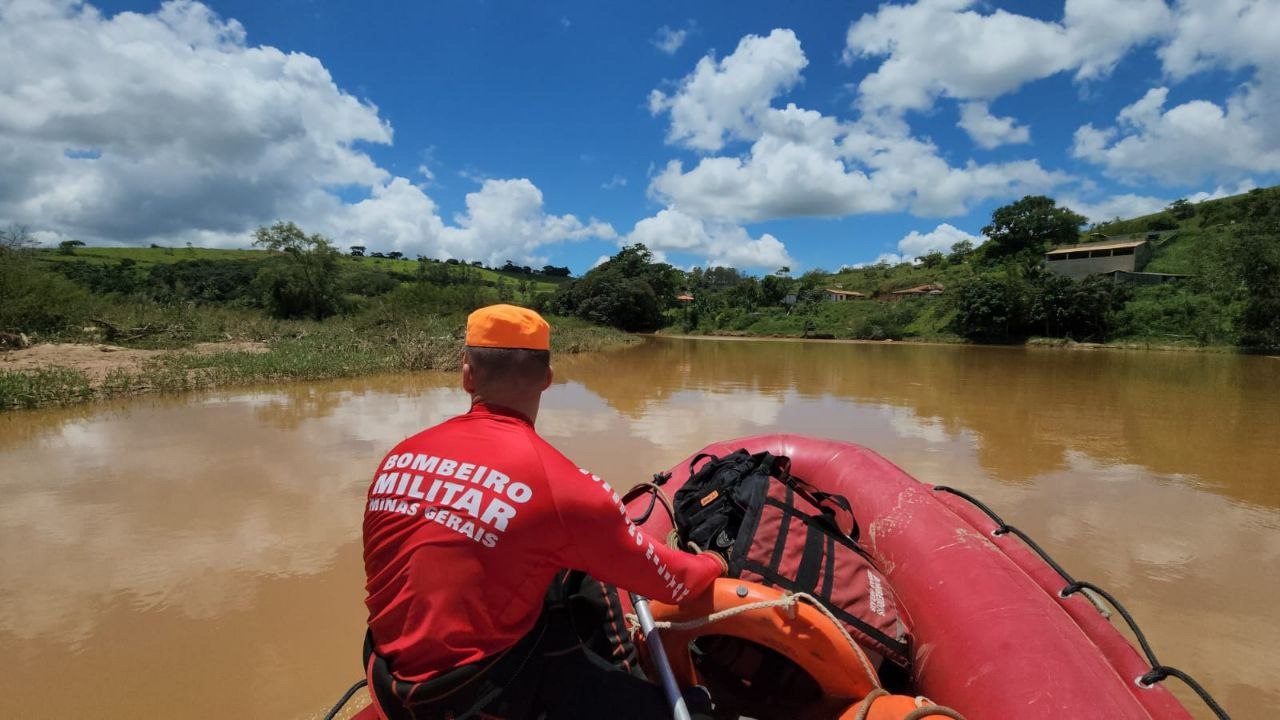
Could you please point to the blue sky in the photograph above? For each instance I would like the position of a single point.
(756, 134)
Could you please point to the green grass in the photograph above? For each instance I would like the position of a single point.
(149, 256)
(296, 351)
(145, 257)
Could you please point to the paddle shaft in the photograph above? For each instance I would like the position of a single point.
(653, 641)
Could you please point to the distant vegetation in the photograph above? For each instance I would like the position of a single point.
(324, 313)
(999, 292)
(320, 314)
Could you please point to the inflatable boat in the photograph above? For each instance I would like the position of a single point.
(999, 630)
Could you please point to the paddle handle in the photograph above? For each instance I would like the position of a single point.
(653, 641)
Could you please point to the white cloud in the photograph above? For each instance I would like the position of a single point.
(1220, 192)
(989, 131)
(859, 168)
(1200, 138)
(616, 181)
(940, 239)
(934, 48)
(1222, 33)
(802, 163)
(1127, 205)
(181, 131)
(1190, 141)
(720, 243)
(668, 40)
(505, 219)
(1130, 205)
(720, 100)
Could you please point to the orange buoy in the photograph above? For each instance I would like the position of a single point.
(880, 705)
(768, 617)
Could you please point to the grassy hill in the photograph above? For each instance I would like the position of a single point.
(143, 258)
(1193, 240)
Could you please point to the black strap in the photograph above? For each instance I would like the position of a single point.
(775, 560)
(901, 648)
(810, 559)
(829, 571)
(826, 522)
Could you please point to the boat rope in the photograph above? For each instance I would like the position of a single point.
(1158, 672)
(333, 711)
(787, 601)
(657, 495)
(924, 707)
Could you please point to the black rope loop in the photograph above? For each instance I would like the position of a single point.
(1158, 672)
(333, 712)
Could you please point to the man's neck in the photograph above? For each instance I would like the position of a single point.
(527, 408)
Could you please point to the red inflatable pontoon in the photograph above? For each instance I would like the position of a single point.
(993, 637)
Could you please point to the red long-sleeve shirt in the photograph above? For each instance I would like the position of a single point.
(467, 523)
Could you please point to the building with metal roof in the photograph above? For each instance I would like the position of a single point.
(1078, 261)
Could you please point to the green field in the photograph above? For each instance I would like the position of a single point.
(145, 257)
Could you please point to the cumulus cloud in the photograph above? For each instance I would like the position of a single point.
(720, 100)
(720, 243)
(989, 131)
(1195, 139)
(940, 239)
(802, 163)
(1220, 192)
(169, 126)
(668, 40)
(937, 48)
(1201, 138)
(1128, 205)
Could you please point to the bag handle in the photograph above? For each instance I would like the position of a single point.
(834, 507)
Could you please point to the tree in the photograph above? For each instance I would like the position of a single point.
(357, 250)
(301, 280)
(1181, 209)
(395, 254)
(34, 299)
(68, 247)
(1079, 310)
(960, 252)
(628, 291)
(932, 259)
(1029, 227)
(784, 271)
(1255, 252)
(992, 307)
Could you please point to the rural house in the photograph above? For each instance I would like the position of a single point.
(842, 295)
(1078, 261)
(917, 291)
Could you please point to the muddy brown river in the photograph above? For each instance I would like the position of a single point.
(199, 556)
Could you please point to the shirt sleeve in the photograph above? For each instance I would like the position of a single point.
(606, 544)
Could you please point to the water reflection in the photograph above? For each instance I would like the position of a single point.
(134, 532)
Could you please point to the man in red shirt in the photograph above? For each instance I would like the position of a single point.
(466, 525)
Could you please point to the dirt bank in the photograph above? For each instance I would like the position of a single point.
(98, 360)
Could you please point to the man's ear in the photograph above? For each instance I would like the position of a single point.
(551, 375)
(468, 376)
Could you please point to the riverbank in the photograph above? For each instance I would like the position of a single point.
(53, 374)
(1035, 342)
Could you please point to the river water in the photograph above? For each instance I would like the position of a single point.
(199, 556)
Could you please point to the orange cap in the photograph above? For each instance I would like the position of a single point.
(508, 326)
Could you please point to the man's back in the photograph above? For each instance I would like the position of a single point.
(466, 525)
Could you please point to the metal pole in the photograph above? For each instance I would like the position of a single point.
(654, 643)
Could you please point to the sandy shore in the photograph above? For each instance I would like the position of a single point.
(98, 360)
